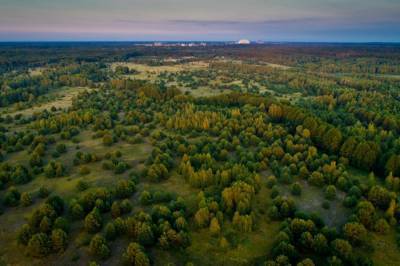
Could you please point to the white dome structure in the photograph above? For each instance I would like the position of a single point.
(243, 41)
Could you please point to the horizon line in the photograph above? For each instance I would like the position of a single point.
(192, 41)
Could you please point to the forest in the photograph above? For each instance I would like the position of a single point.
(264, 154)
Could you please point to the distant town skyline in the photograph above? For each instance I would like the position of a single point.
(206, 20)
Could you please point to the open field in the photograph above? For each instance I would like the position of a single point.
(59, 99)
(150, 72)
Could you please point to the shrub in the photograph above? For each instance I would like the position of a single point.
(59, 240)
(381, 226)
(43, 192)
(26, 199)
(98, 247)
(271, 181)
(330, 192)
(126, 206)
(355, 233)
(61, 148)
(108, 140)
(145, 198)
(135, 256)
(11, 197)
(39, 245)
(82, 185)
(124, 189)
(110, 231)
(84, 170)
(24, 234)
(295, 189)
(93, 221)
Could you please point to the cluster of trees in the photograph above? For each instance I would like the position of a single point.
(303, 241)
(47, 230)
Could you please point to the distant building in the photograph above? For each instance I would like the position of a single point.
(243, 41)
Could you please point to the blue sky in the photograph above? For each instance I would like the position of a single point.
(210, 20)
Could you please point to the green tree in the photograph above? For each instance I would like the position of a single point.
(110, 231)
(77, 211)
(355, 233)
(98, 247)
(108, 140)
(11, 197)
(45, 225)
(342, 249)
(39, 245)
(135, 256)
(24, 234)
(215, 228)
(26, 199)
(380, 197)
(59, 240)
(332, 140)
(93, 221)
(124, 189)
(295, 189)
(330, 192)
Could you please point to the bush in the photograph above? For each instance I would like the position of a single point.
(24, 234)
(61, 148)
(43, 192)
(93, 221)
(135, 256)
(296, 189)
(98, 247)
(76, 211)
(342, 249)
(381, 226)
(330, 192)
(82, 185)
(124, 189)
(126, 206)
(380, 197)
(20, 175)
(116, 210)
(84, 170)
(316, 179)
(271, 181)
(11, 197)
(350, 202)
(110, 231)
(54, 169)
(26, 199)
(39, 245)
(120, 168)
(59, 240)
(145, 198)
(355, 233)
(274, 192)
(108, 140)
(61, 223)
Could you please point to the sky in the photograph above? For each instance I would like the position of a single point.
(200, 20)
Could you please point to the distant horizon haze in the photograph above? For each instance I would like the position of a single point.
(179, 20)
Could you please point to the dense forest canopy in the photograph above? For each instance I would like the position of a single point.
(274, 154)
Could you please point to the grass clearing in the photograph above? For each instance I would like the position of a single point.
(60, 99)
(146, 71)
(311, 200)
(386, 252)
